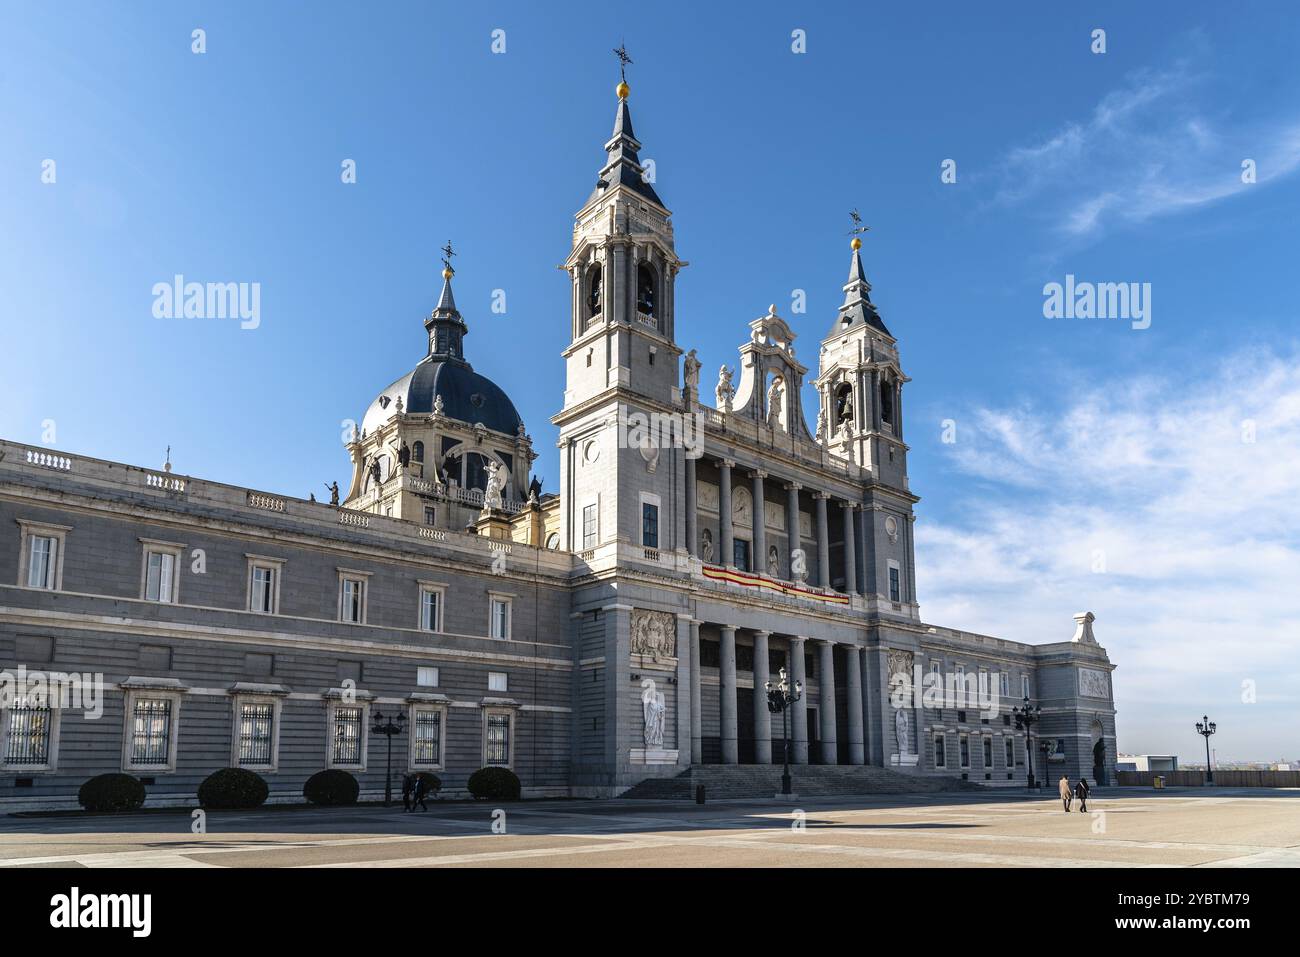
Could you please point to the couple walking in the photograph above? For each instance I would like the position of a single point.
(1081, 791)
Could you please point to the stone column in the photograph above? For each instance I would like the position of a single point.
(853, 671)
(823, 541)
(792, 524)
(875, 399)
(799, 713)
(728, 556)
(727, 707)
(759, 561)
(850, 550)
(697, 711)
(762, 717)
(826, 703)
(692, 530)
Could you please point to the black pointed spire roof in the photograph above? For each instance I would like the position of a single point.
(623, 165)
(858, 309)
(445, 325)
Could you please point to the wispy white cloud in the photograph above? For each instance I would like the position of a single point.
(1168, 506)
(1150, 148)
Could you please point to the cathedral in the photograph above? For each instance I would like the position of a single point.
(617, 635)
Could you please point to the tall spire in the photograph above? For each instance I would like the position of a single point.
(623, 165)
(858, 309)
(445, 326)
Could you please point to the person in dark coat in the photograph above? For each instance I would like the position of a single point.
(408, 785)
(419, 793)
(1081, 791)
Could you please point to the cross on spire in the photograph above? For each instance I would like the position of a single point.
(858, 228)
(447, 253)
(623, 61)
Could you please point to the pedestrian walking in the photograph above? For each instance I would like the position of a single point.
(1064, 788)
(1081, 791)
(408, 785)
(421, 789)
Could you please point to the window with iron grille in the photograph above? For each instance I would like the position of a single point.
(346, 747)
(27, 737)
(1010, 745)
(427, 739)
(988, 752)
(151, 731)
(498, 739)
(41, 562)
(649, 525)
(256, 729)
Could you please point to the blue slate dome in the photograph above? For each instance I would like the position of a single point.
(466, 395)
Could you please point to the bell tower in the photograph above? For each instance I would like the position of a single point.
(622, 360)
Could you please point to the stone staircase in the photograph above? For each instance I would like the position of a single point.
(724, 781)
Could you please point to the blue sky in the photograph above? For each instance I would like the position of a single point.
(1075, 438)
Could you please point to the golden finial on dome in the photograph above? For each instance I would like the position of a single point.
(856, 244)
(622, 90)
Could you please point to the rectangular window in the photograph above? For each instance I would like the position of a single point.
(426, 677)
(431, 609)
(256, 733)
(346, 746)
(352, 600)
(426, 737)
(1024, 686)
(261, 589)
(1004, 685)
(498, 739)
(963, 743)
(589, 526)
(895, 590)
(160, 568)
(940, 751)
(649, 525)
(151, 731)
(1009, 744)
(741, 554)
(988, 752)
(27, 734)
(497, 681)
(430, 513)
(499, 618)
(43, 556)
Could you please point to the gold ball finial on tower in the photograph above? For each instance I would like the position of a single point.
(448, 272)
(856, 244)
(622, 89)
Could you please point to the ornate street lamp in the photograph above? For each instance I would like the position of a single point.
(780, 697)
(1205, 727)
(1026, 717)
(389, 727)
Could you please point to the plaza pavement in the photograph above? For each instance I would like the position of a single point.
(1129, 827)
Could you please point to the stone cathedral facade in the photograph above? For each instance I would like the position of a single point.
(618, 629)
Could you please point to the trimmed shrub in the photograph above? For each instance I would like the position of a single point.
(499, 784)
(233, 789)
(331, 788)
(111, 792)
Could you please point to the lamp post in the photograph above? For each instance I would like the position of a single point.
(389, 727)
(1026, 717)
(1205, 727)
(779, 698)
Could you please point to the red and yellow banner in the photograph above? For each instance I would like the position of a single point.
(750, 580)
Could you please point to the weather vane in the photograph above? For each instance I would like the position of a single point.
(447, 253)
(858, 228)
(623, 61)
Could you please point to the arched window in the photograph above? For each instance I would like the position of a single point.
(417, 452)
(476, 466)
(595, 290)
(843, 405)
(645, 290)
(887, 402)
